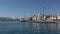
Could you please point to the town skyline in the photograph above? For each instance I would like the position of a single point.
(16, 8)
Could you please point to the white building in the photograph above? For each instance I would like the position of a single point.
(46, 17)
(54, 16)
(34, 18)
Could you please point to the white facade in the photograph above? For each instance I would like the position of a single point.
(58, 17)
(55, 17)
(50, 17)
(34, 18)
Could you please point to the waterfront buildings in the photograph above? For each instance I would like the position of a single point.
(39, 17)
(46, 17)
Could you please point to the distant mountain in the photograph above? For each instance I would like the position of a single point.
(5, 19)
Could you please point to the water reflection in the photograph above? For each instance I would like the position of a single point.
(29, 28)
(45, 27)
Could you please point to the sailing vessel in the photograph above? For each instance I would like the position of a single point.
(42, 18)
(23, 19)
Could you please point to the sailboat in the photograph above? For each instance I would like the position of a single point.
(43, 20)
(23, 19)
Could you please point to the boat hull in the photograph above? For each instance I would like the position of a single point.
(43, 22)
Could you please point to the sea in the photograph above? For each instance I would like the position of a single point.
(16, 27)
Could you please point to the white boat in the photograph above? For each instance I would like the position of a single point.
(44, 21)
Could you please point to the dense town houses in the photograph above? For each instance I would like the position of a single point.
(42, 17)
(46, 17)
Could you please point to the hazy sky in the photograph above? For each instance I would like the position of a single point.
(16, 8)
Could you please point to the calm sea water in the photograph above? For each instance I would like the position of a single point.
(29, 28)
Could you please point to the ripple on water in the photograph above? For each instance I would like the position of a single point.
(27, 28)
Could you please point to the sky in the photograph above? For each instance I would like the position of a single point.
(19, 8)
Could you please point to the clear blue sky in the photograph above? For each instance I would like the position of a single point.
(16, 8)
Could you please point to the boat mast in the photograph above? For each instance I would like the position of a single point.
(43, 13)
(40, 11)
(24, 14)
